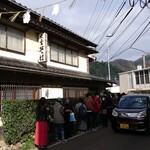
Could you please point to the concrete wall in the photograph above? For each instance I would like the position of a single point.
(123, 82)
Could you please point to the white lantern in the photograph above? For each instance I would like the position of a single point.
(26, 17)
(55, 9)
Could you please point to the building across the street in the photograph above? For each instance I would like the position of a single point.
(135, 81)
(42, 58)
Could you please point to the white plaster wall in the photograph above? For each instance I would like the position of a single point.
(81, 68)
(50, 93)
(32, 54)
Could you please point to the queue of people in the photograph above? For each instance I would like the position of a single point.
(89, 113)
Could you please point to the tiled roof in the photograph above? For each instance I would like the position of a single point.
(56, 24)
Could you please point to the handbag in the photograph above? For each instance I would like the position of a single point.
(72, 117)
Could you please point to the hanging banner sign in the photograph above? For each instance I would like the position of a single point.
(43, 47)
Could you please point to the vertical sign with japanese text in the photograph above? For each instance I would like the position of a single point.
(42, 47)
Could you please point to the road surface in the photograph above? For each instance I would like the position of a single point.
(106, 139)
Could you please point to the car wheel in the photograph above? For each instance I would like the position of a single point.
(148, 129)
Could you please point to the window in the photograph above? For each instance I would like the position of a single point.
(74, 92)
(68, 57)
(141, 77)
(75, 58)
(2, 36)
(54, 52)
(11, 92)
(137, 77)
(130, 81)
(146, 76)
(62, 55)
(15, 39)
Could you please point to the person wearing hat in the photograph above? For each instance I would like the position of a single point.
(59, 121)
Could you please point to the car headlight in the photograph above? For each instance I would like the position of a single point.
(114, 113)
(141, 114)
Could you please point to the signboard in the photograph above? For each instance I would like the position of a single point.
(42, 47)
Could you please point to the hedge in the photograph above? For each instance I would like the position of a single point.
(18, 117)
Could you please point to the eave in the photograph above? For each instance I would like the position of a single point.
(52, 28)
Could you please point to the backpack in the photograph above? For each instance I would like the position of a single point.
(82, 112)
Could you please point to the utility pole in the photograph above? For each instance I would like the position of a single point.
(108, 50)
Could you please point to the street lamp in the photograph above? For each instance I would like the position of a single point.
(108, 36)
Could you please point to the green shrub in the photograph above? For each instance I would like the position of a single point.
(29, 144)
(19, 119)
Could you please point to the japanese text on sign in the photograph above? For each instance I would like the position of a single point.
(42, 47)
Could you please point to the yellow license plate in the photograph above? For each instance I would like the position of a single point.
(124, 126)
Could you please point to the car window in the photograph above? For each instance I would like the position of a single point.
(132, 102)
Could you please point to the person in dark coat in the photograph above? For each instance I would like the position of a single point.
(69, 126)
(41, 133)
(104, 106)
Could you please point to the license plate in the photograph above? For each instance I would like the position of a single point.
(124, 126)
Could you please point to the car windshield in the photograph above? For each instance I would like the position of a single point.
(132, 102)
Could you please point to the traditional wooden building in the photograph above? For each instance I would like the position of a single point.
(42, 58)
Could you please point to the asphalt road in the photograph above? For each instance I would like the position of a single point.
(106, 139)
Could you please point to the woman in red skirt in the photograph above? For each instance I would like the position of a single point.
(41, 132)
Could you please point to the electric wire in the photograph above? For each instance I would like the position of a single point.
(113, 23)
(124, 30)
(96, 20)
(107, 10)
(124, 43)
(115, 16)
(115, 29)
(122, 21)
(131, 38)
(106, 25)
(91, 18)
(143, 4)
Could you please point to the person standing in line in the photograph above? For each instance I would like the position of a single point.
(89, 103)
(59, 121)
(109, 104)
(104, 112)
(69, 126)
(81, 115)
(41, 132)
(97, 109)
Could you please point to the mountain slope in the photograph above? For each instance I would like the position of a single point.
(100, 69)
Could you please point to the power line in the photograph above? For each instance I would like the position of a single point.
(124, 43)
(115, 16)
(115, 29)
(97, 18)
(122, 21)
(102, 18)
(91, 18)
(110, 25)
(123, 31)
(131, 37)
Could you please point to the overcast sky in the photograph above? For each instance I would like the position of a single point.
(77, 19)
